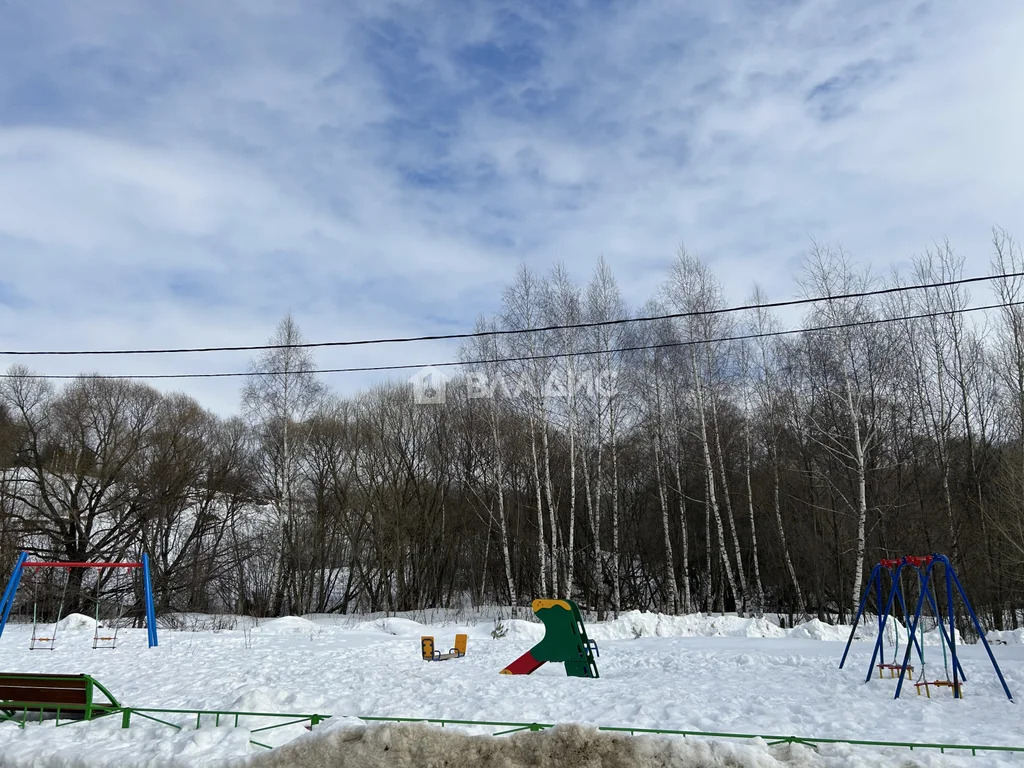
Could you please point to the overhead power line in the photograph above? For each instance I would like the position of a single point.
(528, 358)
(515, 331)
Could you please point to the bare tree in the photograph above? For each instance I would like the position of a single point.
(852, 360)
(773, 421)
(277, 402)
(82, 454)
(691, 289)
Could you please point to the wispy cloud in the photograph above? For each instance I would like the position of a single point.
(185, 173)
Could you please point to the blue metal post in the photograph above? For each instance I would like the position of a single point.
(878, 599)
(150, 609)
(906, 613)
(978, 628)
(883, 617)
(860, 612)
(913, 628)
(10, 590)
(945, 635)
(952, 623)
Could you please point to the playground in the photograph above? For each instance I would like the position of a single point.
(700, 673)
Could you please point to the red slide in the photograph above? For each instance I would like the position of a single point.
(524, 665)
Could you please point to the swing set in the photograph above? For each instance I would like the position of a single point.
(39, 642)
(925, 569)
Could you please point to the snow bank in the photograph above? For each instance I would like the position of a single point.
(1006, 637)
(635, 624)
(815, 629)
(76, 621)
(287, 625)
(532, 631)
(565, 746)
(638, 624)
(399, 627)
(629, 625)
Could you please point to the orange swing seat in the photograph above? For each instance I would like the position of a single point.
(894, 670)
(926, 684)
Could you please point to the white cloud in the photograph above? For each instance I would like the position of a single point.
(176, 178)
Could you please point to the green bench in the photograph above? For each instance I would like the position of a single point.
(24, 695)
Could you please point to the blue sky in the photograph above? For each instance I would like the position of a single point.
(179, 174)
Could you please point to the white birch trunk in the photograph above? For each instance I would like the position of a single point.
(553, 560)
(729, 517)
(670, 568)
(758, 588)
(499, 475)
(684, 543)
(710, 485)
(569, 559)
(862, 497)
(542, 559)
(616, 577)
(800, 604)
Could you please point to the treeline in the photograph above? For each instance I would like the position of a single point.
(697, 462)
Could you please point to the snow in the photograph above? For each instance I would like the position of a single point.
(398, 627)
(699, 672)
(564, 746)
(1007, 637)
(287, 625)
(815, 629)
(76, 621)
(636, 624)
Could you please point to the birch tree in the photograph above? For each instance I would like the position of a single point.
(521, 310)
(853, 359)
(691, 289)
(604, 303)
(278, 402)
(773, 423)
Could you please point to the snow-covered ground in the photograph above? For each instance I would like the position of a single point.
(687, 673)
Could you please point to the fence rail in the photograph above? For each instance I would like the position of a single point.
(232, 718)
(771, 739)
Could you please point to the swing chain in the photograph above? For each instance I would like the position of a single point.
(52, 640)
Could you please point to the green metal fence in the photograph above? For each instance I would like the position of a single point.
(197, 718)
(771, 739)
(219, 717)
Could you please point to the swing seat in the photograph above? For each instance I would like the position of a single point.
(926, 684)
(894, 670)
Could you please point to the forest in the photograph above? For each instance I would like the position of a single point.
(675, 456)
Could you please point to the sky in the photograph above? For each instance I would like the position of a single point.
(184, 174)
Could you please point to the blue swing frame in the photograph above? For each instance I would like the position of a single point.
(924, 567)
(7, 601)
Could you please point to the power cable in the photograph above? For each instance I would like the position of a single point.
(527, 358)
(513, 331)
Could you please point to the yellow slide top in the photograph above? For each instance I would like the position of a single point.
(540, 604)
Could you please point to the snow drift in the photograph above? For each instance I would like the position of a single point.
(564, 746)
(76, 621)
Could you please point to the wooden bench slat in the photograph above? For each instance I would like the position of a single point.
(45, 675)
(68, 696)
(46, 681)
(56, 695)
(46, 686)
